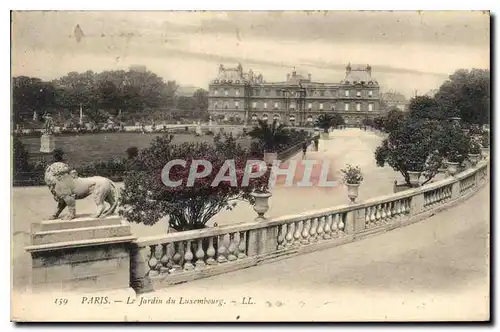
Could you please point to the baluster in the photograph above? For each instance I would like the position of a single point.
(153, 262)
(177, 257)
(211, 252)
(377, 214)
(221, 250)
(281, 236)
(341, 224)
(373, 213)
(313, 229)
(407, 205)
(242, 246)
(335, 225)
(321, 227)
(188, 257)
(383, 215)
(328, 227)
(231, 248)
(394, 209)
(298, 233)
(367, 216)
(290, 229)
(305, 232)
(200, 254)
(389, 210)
(164, 260)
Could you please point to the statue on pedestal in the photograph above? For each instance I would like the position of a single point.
(67, 187)
(47, 144)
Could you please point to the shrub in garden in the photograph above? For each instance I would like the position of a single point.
(271, 136)
(412, 147)
(132, 152)
(58, 155)
(146, 199)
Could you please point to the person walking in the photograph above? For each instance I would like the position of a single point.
(304, 149)
(316, 143)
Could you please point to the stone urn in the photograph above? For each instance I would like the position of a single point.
(452, 167)
(474, 159)
(261, 205)
(414, 176)
(352, 191)
(485, 152)
(270, 157)
(325, 135)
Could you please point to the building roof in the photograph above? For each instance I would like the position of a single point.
(358, 74)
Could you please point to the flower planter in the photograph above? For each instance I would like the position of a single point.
(352, 191)
(474, 159)
(261, 205)
(325, 136)
(485, 152)
(452, 167)
(414, 176)
(270, 157)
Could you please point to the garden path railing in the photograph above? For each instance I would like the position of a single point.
(158, 261)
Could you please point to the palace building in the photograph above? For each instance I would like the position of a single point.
(235, 95)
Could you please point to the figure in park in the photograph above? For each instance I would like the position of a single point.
(67, 187)
(49, 124)
(316, 143)
(304, 149)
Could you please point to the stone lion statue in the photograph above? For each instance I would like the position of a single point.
(67, 187)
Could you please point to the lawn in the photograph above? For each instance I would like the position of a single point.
(83, 149)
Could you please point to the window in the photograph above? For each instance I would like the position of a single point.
(358, 106)
(236, 104)
(256, 92)
(226, 105)
(237, 81)
(346, 106)
(333, 107)
(347, 93)
(320, 106)
(322, 93)
(254, 105)
(358, 93)
(237, 92)
(265, 105)
(370, 93)
(292, 106)
(276, 105)
(310, 106)
(333, 93)
(226, 93)
(370, 107)
(266, 92)
(216, 92)
(278, 93)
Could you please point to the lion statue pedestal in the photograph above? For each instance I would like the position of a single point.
(84, 254)
(47, 143)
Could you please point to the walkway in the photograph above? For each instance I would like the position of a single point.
(436, 269)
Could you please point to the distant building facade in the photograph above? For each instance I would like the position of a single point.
(246, 97)
(394, 99)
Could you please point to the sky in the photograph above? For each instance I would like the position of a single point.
(409, 52)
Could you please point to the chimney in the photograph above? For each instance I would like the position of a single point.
(288, 76)
(348, 69)
(309, 75)
(369, 70)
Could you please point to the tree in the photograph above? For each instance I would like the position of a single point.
(466, 94)
(424, 107)
(31, 94)
(325, 121)
(146, 199)
(270, 136)
(411, 147)
(21, 157)
(393, 119)
(452, 143)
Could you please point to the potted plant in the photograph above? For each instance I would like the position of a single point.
(485, 144)
(474, 152)
(270, 136)
(352, 178)
(453, 160)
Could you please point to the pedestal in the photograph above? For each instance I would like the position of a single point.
(47, 143)
(84, 254)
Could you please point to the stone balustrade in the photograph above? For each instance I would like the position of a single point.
(159, 261)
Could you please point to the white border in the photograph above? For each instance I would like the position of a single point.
(180, 5)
